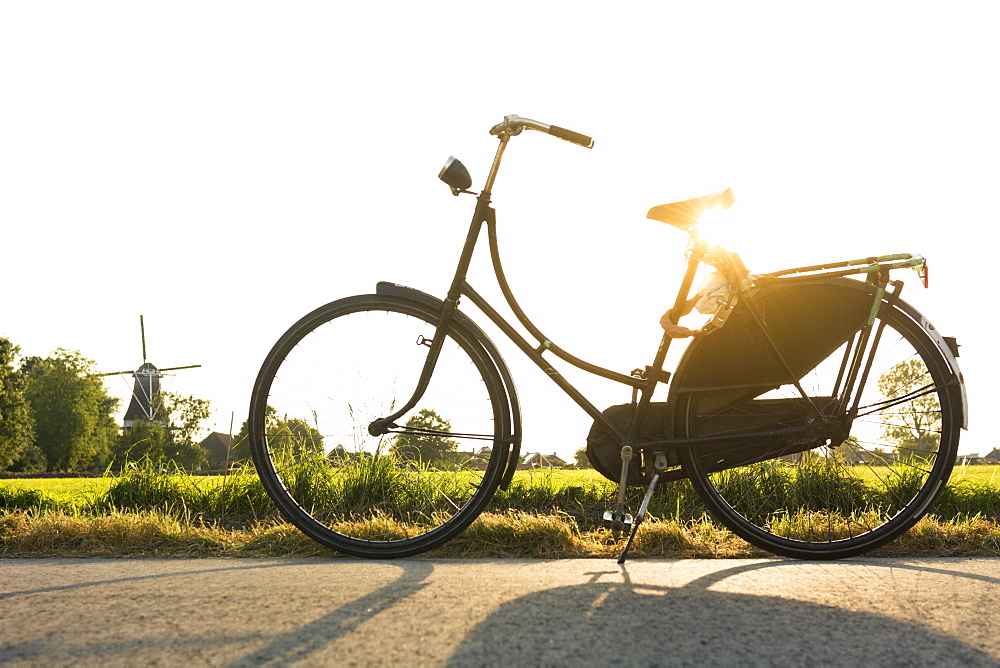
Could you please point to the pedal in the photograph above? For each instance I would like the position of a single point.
(617, 522)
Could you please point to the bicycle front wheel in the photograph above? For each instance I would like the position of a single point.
(831, 498)
(396, 494)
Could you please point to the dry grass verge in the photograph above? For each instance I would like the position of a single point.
(49, 533)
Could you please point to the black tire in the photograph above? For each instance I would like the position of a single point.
(334, 372)
(822, 499)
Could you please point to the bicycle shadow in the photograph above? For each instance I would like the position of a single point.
(610, 622)
(404, 579)
(299, 645)
(240, 568)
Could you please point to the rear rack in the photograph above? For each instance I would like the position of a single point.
(868, 265)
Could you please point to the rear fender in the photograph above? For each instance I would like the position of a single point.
(946, 350)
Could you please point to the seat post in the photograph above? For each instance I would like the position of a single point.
(696, 251)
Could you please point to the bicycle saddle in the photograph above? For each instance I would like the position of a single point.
(684, 215)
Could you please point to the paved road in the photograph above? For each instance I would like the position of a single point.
(510, 613)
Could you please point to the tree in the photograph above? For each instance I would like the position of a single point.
(432, 449)
(852, 452)
(284, 434)
(145, 439)
(582, 460)
(172, 438)
(294, 436)
(240, 452)
(186, 415)
(914, 425)
(73, 414)
(17, 428)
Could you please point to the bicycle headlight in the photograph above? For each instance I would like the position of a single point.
(455, 175)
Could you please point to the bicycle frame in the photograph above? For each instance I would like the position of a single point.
(643, 381)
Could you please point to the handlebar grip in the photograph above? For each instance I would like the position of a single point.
(570, 136)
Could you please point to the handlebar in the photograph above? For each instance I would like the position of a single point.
(513, 125)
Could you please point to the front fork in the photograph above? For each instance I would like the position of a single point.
(382, 425)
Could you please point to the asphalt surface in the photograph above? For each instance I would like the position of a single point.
(510, 612)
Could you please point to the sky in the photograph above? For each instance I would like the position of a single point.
(222, 168)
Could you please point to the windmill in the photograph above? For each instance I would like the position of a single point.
(146, 387)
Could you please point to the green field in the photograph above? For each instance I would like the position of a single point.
(989, 474)
(65, 490)
(69, 489)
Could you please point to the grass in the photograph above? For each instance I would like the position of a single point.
(544, 514)
(64, 489)
(989, 474)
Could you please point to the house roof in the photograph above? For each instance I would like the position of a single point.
(544, 460)
(217, 444)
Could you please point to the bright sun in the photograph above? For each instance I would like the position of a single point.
(761, 243)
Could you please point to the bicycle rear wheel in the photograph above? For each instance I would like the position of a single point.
(393, 495)
(821, 498)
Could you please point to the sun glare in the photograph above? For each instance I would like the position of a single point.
(758, 242)
(717, 226)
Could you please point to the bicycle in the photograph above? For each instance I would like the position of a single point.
(777, 412)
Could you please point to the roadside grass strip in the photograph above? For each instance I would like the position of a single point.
(144, 512)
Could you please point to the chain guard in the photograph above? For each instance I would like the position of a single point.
(604, 450)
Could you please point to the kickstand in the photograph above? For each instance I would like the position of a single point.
(639, 516)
